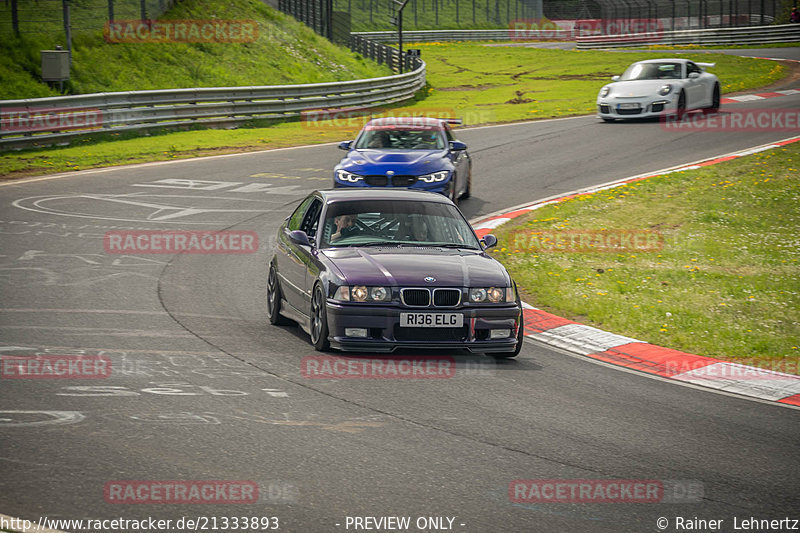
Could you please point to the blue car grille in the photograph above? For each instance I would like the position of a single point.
(403, 181)
(379, 180)
(376, 181)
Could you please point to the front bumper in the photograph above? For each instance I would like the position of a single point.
(386, 335)
(441, 187)
(623, 108)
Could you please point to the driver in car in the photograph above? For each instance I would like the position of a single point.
(345, 226)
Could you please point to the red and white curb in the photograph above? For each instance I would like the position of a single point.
(758, 96)
(639, 355)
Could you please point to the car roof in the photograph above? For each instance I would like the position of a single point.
(372, 194)
(426, 122)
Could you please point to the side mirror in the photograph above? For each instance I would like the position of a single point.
(457, 146)
(299, 236)
(345, 145)
(489, 241)
(614, 78)
(694, 75)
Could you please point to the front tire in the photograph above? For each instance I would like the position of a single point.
(468, 191)
(453, 194)
(274, 300)
(680, 112)
(319, 320)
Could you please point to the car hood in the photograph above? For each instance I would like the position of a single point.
(638, 88)
(400, 161)
(408, 267)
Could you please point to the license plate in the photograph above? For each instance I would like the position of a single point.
(431, 320)
(628, 106)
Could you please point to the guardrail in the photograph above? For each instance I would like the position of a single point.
(46, 121)
(506, 34)
(783, 33)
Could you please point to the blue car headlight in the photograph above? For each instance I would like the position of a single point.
(435, 177)
(343, 175)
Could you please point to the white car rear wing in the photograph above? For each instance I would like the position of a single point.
(707, 65)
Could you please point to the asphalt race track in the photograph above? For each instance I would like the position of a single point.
(201, 388)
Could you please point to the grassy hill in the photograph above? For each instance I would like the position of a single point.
(285, 52)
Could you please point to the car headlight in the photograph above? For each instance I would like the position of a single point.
(361, 293)
(665, 89)
(435, 176)
(605, 91)
(343, 175)
(493, 295)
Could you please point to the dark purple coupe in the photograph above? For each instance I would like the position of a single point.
(376, 271)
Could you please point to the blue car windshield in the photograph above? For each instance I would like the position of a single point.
(401, 138)
(396, 223)
(652, 71)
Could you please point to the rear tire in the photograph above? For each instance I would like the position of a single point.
(319, 321)
(274, 300)
(715, 99)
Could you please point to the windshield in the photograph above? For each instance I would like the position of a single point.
(396, 223)
(652, 71)
(396, 137)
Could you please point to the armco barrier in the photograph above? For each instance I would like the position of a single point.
(505, 34)
(784, 33)
(47, 121)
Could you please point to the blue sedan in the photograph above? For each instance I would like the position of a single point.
(380, 270)
(407, 152)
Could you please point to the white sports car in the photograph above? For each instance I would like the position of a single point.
(659, 87)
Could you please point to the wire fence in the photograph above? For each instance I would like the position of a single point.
(49, 16)
(375, 15)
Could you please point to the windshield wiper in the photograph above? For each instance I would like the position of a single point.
(372, 243)
(452, 245)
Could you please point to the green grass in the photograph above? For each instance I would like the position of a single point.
(476, 83)
(285, 51)
(726, 283)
